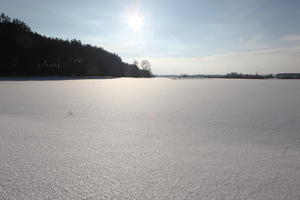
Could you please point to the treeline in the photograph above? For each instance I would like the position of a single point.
(249, 76)
(229, 75)
(27, 53)
(263, 76)
(235, 75)
(288, 76)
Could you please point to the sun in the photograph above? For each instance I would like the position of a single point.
(135, 22)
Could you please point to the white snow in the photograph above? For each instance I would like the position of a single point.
(150, 139)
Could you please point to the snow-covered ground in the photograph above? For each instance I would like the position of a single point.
(150, 139)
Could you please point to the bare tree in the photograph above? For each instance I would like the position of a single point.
(145, 65)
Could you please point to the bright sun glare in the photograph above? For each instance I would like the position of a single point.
(135, 22)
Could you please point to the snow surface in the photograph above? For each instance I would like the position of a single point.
(150, 139)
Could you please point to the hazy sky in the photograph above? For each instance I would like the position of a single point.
(177, 36)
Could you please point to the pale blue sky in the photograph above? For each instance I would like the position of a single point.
(177, 36)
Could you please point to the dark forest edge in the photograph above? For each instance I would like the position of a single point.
(28, 54)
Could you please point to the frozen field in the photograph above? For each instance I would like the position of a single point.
(150, 139)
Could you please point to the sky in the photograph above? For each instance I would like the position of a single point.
(176, 36)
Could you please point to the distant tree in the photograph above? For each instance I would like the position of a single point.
(145, 65)
(145, 68)
(4, 18)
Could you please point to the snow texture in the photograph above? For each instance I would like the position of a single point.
(150, 139)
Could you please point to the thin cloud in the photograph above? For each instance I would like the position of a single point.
(264, 61)
(291, 38)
